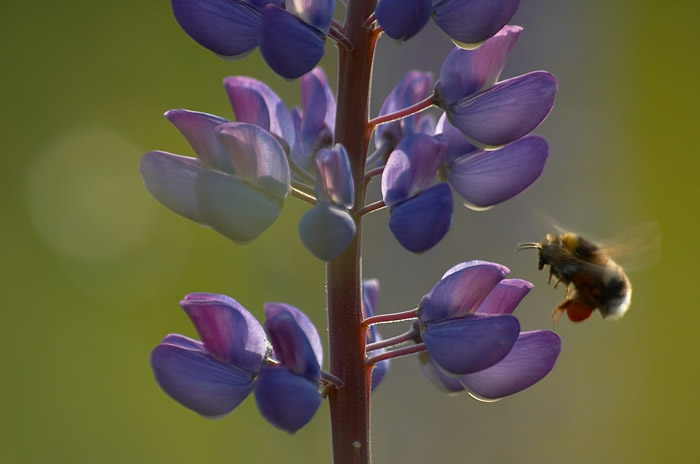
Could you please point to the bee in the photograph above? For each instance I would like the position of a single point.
(598, 281)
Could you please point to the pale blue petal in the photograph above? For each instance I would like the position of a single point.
(171, 180)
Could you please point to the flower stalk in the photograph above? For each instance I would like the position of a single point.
(350, 405)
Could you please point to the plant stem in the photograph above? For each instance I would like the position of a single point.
(350, 405)
(415, 108)
(392, 317)
(377, 205)
(399, 339)
(391, 354)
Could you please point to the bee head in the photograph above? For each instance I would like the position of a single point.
(537, 246)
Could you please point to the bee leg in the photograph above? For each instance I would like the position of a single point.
(557, 312)
(566, 293)
(576, 309)
(549, 281)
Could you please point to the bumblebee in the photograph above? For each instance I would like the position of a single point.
(593, 279)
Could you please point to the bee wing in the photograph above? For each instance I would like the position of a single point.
(544, 219)
(637, 247)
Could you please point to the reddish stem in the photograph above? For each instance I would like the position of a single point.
(415, 108)
(405, 337)
(374, 172)
(397, 353)
(392, 317)
(350, 405)
(371, 207)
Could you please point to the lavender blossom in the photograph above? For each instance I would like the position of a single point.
(530, 358)
(287, 393)
(491, 113)
(234, 28)
(327, 229)
(302, 131)
(459, 340)
(234, 358)
(421, 213)
(215, 375)
(466, 22)
(236, 186)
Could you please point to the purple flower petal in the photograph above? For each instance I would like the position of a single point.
(233, 208)
(504, 297)
(379, 371)
(226, 27)
(370, 296)
(254, 102)
(402, 19)
(286, 400)
(199, 130)
(532, 357)
(419, 223)
(228, 331)
(257, 157)
(507, 111)
(294, 338)
(413, 88)
(466, 72)
(457, 143)
(334, 178)
(470, 344)
(195, 380)
(183, 342)
(411, 167)
(308, 97)
(461, 290)
(317, 13)
(314, 99)
(303, 45)
(472, 21)
(485, 178)
(171, 180)
(326, 230)
(446, 383)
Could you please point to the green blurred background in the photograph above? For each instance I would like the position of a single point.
(93, 268)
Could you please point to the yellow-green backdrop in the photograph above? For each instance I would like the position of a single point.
(93, 268)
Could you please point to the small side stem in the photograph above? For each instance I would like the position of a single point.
(380, 152)
(403, 338)
(397, 353)
(369, 22)
(393, 317)
(332, 380)
(340, 39)
(374, 172)
(303, 196)
(376, 206)
(415, 108)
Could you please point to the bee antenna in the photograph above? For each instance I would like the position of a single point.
(527, 245)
